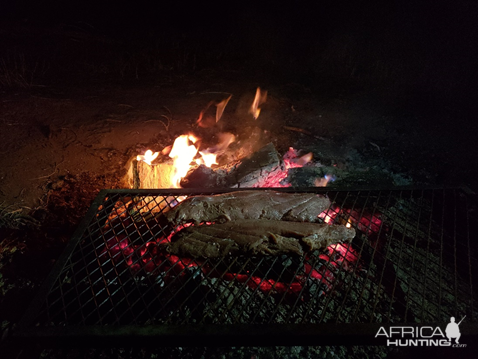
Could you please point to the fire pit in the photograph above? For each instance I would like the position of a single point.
(413, 260)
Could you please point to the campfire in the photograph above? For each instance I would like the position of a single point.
(186, 163)
(210, 237)
(151, 258)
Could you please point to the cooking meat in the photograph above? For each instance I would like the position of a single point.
(256, 237)
(271, 205)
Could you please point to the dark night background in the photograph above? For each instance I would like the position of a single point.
(412, 63)
(430, 43)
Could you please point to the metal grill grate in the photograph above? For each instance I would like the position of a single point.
(413, 260)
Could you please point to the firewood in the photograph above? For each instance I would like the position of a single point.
(260, 169)
(254, 170)
(151, 176)
(203, 176)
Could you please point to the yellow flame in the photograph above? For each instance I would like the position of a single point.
(209, 156)
(207, 159)
(183, 152)
(148, 157)
(261, 97)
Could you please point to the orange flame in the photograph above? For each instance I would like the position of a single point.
(148, 157)
(220, 108)
(322, 182)
(206, 119)
(209, 156)
(261, 97)
(207, 159)
(183, 152)
(301, 161)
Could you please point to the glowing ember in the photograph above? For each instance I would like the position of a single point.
(153, 258)
(290, 160)
(369, 223)
(183, 152)
(261, 97)
(343, 251)
(148, 157)
(329, 215)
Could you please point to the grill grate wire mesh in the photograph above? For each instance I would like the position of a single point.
(413, 260)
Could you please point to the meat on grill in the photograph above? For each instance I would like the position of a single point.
(271, 205)
(256, 237)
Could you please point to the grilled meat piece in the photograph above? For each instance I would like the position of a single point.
(271, 205)
(256, 237)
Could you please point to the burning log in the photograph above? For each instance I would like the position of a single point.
(260, 169)
(255, 170)
(151, 175)
(263, 168)
(206, 177)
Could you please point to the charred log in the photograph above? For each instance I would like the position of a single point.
(205, 177)
(255, 170)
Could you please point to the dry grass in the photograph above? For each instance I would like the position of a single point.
(15, 218)
(16, 71)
